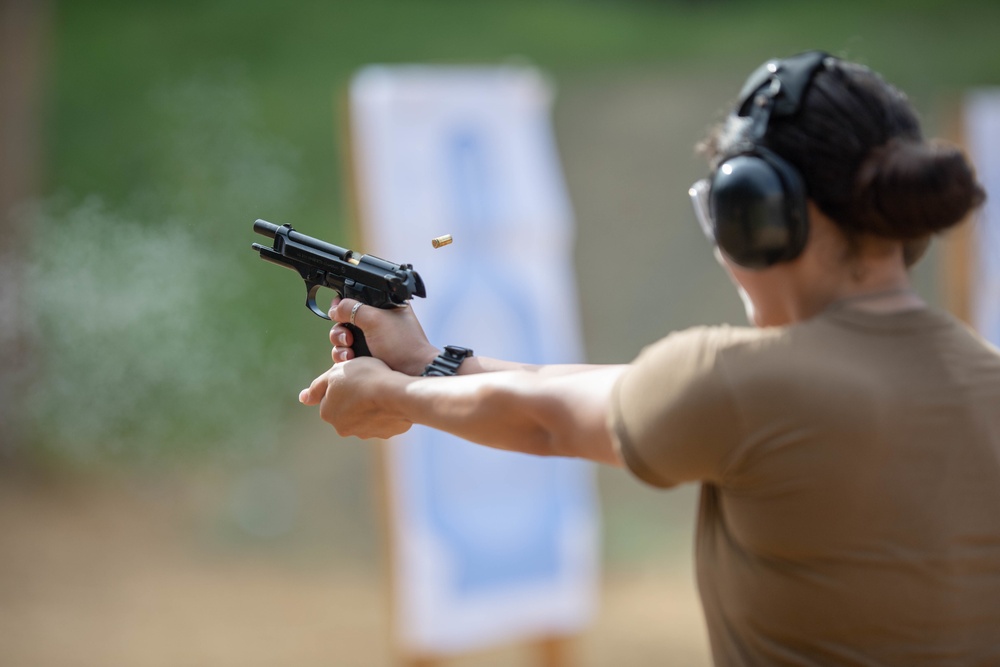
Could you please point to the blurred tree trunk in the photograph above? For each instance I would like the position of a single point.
(23, 46)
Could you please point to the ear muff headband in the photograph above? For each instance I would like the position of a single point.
(758, 199)
(783, 83)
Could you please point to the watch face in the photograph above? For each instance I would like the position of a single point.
(456, 351)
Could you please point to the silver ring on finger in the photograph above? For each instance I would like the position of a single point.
(354, 311)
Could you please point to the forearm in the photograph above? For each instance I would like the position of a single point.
(476, 364)
(520, 410)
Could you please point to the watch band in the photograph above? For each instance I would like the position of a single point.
(447, 363)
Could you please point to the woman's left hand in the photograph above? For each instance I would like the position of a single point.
(349, 398)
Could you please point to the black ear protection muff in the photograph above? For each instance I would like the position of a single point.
(756, 199)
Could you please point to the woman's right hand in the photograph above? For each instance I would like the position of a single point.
(393, 336)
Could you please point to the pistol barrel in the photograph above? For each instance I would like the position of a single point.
(265, 228)
(287, 232)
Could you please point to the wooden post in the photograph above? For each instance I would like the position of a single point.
(421, 662)
(23, 38)
(957, 270)
(958, 263)
(555, 652)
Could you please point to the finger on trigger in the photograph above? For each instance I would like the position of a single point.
(335, 308)
(342, 311)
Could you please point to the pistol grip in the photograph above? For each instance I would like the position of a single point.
(360, 345)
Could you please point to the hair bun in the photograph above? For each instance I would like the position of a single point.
(909, 188)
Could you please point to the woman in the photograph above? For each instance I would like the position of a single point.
(848, 444)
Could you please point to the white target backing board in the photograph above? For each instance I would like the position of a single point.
(489, 547)
(982, 136)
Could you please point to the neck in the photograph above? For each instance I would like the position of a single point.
(873, 281)
(870, 275)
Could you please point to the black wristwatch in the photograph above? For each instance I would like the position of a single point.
(447, 362)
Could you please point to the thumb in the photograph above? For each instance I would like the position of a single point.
(314, 393)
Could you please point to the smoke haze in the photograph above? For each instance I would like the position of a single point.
(142, 312)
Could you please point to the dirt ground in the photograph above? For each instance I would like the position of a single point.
(111, 571)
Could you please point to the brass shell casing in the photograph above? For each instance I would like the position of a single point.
(441, 241)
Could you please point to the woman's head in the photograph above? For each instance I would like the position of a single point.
(856, 142)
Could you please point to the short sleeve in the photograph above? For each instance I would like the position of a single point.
(673, 413)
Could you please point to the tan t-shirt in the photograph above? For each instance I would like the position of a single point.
(850, 507)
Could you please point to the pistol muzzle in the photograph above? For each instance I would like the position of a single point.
(265, 228)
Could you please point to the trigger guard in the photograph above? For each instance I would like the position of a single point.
(311, 301)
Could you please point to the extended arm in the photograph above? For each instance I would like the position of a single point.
(396, 337)
(547, 414)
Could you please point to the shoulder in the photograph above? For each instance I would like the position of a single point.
(706, 338)
(702, 368)
(673, 410)
(702, 349)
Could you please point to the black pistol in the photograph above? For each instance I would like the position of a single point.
(368, 279)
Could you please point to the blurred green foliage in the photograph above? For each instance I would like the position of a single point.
(178, 123)
(297, 57)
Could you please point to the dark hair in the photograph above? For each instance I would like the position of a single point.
(856, 140)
